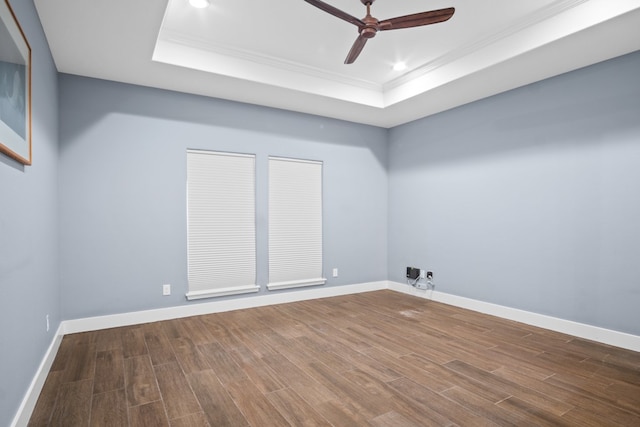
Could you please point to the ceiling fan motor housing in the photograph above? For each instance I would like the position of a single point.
(371, 27)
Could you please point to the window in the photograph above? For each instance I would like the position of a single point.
(220, 224)
(295, 223)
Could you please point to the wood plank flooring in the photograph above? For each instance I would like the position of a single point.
(372, 359)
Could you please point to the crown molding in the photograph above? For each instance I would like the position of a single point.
(492, 38)
(208, 47)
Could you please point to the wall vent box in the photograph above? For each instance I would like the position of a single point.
(413, 273)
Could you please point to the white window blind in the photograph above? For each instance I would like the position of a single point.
(295, 223)
(221, 224)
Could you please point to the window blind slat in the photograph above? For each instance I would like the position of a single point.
(221, 223)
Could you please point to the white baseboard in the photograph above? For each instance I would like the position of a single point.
(606, 336)
(33, 392)
(135, 318)
(593, 333)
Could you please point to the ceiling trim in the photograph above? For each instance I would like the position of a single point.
(527, 21)
(176, 37)
(215, 64)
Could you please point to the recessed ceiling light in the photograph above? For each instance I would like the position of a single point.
(399, 66)
(200, 4)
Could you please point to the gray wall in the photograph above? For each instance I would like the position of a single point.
(123, 189)
(28, 233)
(529, 199)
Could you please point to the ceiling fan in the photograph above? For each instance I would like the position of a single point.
(369, 26)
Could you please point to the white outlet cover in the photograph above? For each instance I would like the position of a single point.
(335, 272)
(166, 290)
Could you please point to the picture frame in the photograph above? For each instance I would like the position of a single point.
(15, 88)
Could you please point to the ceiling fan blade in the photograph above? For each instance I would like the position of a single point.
(336, 12)
(356, 49)
(416, 19)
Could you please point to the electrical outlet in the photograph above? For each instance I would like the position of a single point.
(335, 272)
(166, 289)
(429, 275)
(422, 274)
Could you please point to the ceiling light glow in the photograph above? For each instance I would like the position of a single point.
(399, 66)
(199, 4)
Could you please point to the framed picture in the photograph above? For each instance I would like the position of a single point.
(15, 88)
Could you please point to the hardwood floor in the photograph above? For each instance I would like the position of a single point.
(373, 359)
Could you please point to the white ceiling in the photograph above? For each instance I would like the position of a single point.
(288, 54)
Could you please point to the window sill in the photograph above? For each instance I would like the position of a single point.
(296, 284)
(212, 293)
